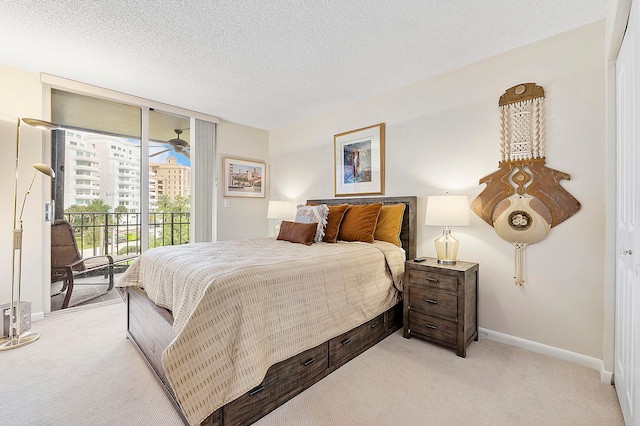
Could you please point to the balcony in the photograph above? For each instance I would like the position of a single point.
(115, 233)
(120, 233)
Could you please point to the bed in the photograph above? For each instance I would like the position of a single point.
(252, 332)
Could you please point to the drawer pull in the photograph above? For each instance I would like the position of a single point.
(375, 325)
(433, 302)
(433, 280)
(309, 362)
(346, 342)
(432, 327)
(256, 390)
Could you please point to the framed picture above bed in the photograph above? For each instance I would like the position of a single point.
(244, 178)
(359, 161)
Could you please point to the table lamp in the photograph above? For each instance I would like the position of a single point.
(278, 210)
(447, 210)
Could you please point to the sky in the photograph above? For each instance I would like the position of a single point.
(162, 158)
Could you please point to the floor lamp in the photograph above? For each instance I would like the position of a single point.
(16, 338)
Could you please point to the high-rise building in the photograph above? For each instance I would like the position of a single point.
(119, 163)
(172, 179)
(82, 172)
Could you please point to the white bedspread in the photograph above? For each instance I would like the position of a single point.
(241, 306)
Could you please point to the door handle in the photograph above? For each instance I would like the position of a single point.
(627, 252)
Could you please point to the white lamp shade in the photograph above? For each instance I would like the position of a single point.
(447, 210)
(279, 210)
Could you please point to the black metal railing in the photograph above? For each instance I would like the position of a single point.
(120, 233)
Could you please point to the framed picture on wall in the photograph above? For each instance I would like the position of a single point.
(244, 178)
(359, 161)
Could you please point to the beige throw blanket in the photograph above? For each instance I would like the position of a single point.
(241, 306)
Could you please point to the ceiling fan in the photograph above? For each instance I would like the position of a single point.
(180, 146)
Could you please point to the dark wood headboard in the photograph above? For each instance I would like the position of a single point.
(408, 232)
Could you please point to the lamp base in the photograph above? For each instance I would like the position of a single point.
(447, 248)
(24, 339)
(276, 229)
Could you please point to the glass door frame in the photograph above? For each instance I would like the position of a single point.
(53, 82)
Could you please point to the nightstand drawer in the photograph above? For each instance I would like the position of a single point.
(432, 279)
(434, 327)
(433, 302)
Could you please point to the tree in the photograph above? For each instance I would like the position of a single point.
(163, 203)
(91, 222)
(98, 205)
(75, 208)
(175, 220)
(180, 204)
(120, 212)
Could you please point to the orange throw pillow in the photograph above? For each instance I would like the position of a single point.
(359, 222)
(389, 224)
(336, 214)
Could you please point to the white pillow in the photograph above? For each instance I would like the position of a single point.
(313, 214)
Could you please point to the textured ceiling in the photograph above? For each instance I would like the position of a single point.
(267, 63)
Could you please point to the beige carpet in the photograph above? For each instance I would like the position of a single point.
(83, 371)
(412, 382)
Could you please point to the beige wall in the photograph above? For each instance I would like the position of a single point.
(244, 217)
(442, 134)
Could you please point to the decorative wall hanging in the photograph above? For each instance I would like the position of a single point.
(523, 200)
(359, 161)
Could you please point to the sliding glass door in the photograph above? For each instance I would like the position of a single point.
(169, 192)
(124, 176)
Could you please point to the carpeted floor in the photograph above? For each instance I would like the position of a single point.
(413, 382)
(83, 371)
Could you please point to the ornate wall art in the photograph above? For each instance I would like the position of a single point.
(523, 200)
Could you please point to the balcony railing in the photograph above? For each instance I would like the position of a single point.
(120, 233)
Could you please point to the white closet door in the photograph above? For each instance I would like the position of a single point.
(627, 346)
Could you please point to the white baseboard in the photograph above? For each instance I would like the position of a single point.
(37, 316)
(587, 361)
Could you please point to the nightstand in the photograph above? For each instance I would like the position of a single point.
(441, 303)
